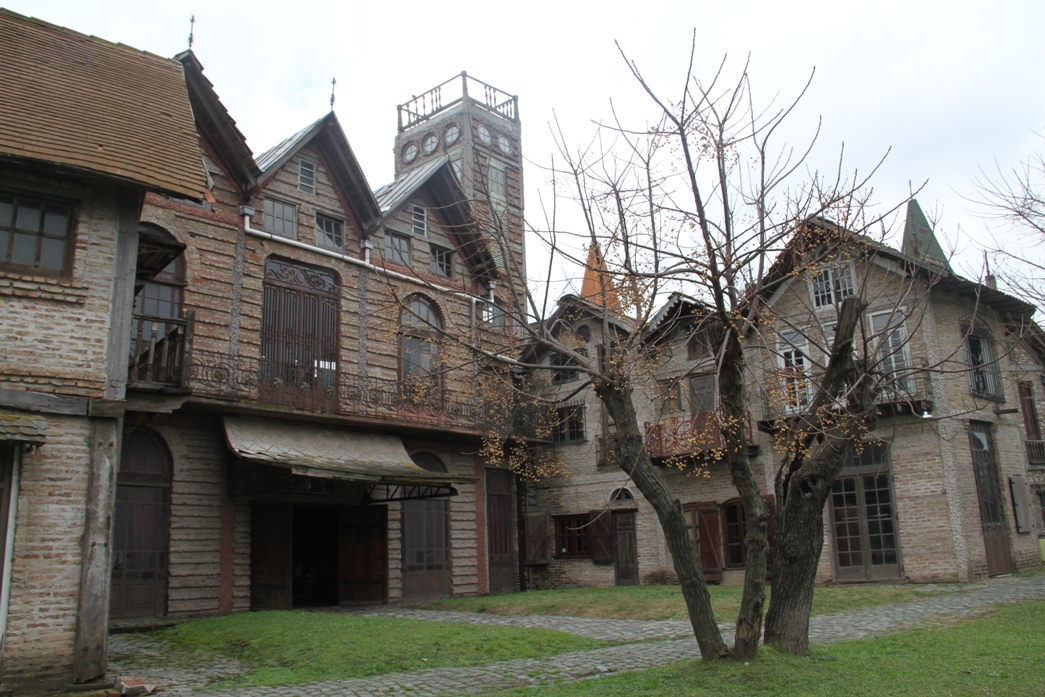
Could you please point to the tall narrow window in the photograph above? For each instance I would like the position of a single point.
(397, 249)
(419, 218)
(153, 337)
(329, 233)
(35, 236)
(307, 177)
(299, 335)
(733, 522)
(795, 386)
(702, 393)
(442, 261)
(498, 182)
(893, 354)
(984, 374)
(280, 218)
(668, 397)
(420, 370)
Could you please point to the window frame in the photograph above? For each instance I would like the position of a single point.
(669, 397)
(322, 234)
(569, 425)
(68, 237)
(796, 350)
(490, 314)
(267, 216)
(838, 277)
(498, 190)
(442, 261)
(395, 254)
(572, 540)
(308, 188)
(985, 379)
(737, 541)
(560, 376)
(419, 220)
(885, 342)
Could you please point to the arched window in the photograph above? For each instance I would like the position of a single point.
(622, 495)
(420, 325)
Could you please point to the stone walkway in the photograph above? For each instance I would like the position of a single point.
(182, 674)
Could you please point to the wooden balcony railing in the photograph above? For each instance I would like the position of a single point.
(160, 347)
(1035, 453)
(681, 436)
(452, 92)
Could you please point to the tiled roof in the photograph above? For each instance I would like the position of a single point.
(81, 101)
(22, 429)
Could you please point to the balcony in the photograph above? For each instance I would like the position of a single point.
(910, 394)
(683, 436)
(1035, 453)
(159, 351)
(454, 91)
(318, 386)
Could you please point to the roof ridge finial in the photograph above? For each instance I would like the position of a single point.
(192, 30)
(333, 84)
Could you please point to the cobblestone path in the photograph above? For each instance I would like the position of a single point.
(186, 673)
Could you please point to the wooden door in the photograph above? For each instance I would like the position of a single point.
(427, 573)
(710, 540)
(271, 554)
(499, 538)
(363, 557)
(625, 549)
(141, 527)
(992, 508)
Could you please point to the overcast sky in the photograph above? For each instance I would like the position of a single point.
(949, 86)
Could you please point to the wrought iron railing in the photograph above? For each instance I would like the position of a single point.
(159, 349)
(912, 391)
(1035, 452)
(320, 386)
(680, 436)
(453, 91)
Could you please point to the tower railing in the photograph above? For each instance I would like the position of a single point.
(453, 92)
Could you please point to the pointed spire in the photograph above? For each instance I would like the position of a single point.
(597, 286)
(918, 238)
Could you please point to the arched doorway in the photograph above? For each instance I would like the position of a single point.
(141, 527)
(427, 571)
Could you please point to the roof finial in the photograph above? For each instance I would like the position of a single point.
(333, 83)
(192, 30)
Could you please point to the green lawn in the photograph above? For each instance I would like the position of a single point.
(662, 602)
(292, 647)
(1002, 654)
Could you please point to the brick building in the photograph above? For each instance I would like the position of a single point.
(947, 488)
(238, 383)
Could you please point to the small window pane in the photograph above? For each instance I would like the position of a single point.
(442, 261)
(24, 249)
(29, 215)
(5, 241)
(57, 221)
(52, 252)
(498, 186)
(7, 210)
(420, 221)
(307, 177)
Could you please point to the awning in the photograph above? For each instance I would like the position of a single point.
(22, 428)
(316, 451)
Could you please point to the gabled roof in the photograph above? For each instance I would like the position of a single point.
(481, 255)
(330, 138)
(678, 310)
(215, 122)
(88, 105)
(571, 310)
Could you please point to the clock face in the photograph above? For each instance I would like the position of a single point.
(452, 134)
(430, 143)
(505, 143)
(410, 152)
(484, 134)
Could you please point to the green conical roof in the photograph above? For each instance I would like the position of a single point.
(918, 238)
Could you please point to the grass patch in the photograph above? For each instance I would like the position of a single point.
(663, 602)
(1001, 654)
(293, 647)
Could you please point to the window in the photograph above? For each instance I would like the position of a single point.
(35, 235)
(832, 285)
(569, 425)
(692, 524)
(1029, 411)
(571, 537)
(893, 353)
(560, 376)
(442, 261)
(419, 327)
(698, 346)
(733, 521)
(669, 397)
(328, 233)
(702, 393)
(484, 134)
(397, 249)
(491, 315)
(498, 182)
(419, 219)
(451, 134)
(795, 385)
(280, 218)
(307, 177)
(984, 376)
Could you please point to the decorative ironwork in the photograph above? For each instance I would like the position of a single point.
(296, 275)
(679, 436)
(911, 393)
(1035, 453)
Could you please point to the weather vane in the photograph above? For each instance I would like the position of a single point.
(333, 83)
(192, 30)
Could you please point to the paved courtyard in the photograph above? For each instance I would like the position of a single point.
(181, 673)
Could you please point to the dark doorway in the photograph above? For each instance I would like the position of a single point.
(141, 527)
(992, 508)
(363, 541)
(499, 538)
(271, 535)
(315, 566)
(866, 543)
(625, 549)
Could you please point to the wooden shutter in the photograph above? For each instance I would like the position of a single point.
(538, 538)
(600, 534)
(1021, 503)
(710, 541)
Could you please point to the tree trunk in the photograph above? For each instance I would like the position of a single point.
(734, 415)
(635, 461)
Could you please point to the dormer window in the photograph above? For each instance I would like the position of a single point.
(307, 177)
(420, 221)
(832, 285)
